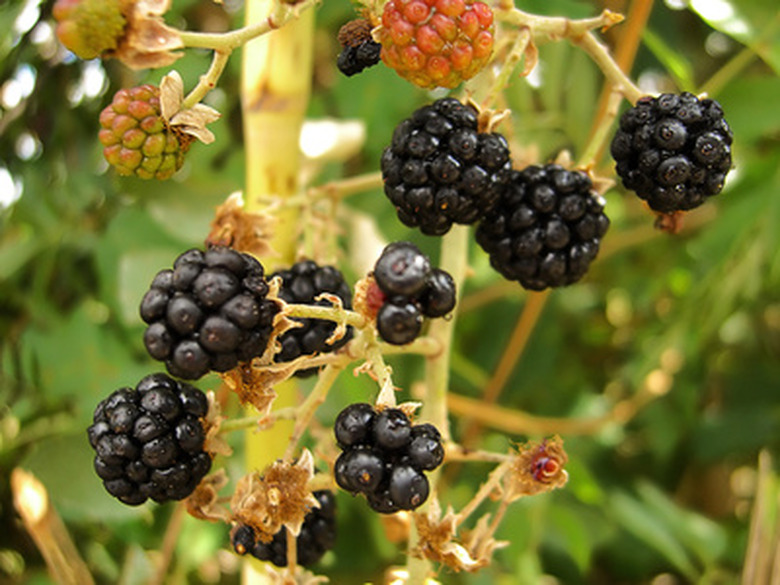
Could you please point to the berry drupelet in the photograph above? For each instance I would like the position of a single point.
(547, 229)
(674, 151)
(412, 290)
(439, 169)
(384, 456)
(301, 283)
(149, 440)
(209, 312)
(317, 536)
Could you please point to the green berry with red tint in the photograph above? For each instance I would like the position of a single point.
(136, 138)
(89, 28)
(436, 43)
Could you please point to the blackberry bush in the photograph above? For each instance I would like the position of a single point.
(547, 228)
(440, 169)
(209, 312)
(148, 440)
(673, 150)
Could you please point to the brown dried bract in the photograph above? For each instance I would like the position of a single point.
(368, 298)
(253, 385)
(538, 467)
(214, 443)
(281, 496)
(354, 33)
(203, 502)
(241, 230)
(189, 123)
(148, 42)
(437, 542)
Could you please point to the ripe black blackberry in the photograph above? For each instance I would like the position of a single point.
(440, 170)
(209, 312)
(149, 440)
(547, 228)
(384, 457)
(412, 290)
(317, 536)
(673, 150)
(300, 285)
(359, 50)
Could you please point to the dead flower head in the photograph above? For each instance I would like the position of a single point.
(203, 503)
(279, 497)
(438, 540)
(148, 43)
(189, 123)
(244, 231)
(538, 467)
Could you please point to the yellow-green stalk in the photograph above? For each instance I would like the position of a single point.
(275, 90)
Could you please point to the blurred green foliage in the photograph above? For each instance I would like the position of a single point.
(657, 496)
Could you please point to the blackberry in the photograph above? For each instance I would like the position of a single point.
(300, 284)
(547, 229)
(359, 50)
(411, 289)
(317, 536)
(384, 456)
(148, 441)
(440, 170)
(674, 151)
(209, 312)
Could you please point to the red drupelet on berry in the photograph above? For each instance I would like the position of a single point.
(137, 139)
(436, 43)
(209, 313)
(674, 151)
(412, 290)
(149, 441)
(317, 536)
(384, 457)
(300, 285)
(440, 170)
(547, 228)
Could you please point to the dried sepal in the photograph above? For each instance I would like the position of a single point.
(203, 503)
(189, 121)
(241, 230)
(214, 443)
(368, 298)
(280, 497)
(299, 577)
(341, 327)
(148, 42)
(537, 467)
(480, 544)
(253, 386)
(436, 539)
(409, 408)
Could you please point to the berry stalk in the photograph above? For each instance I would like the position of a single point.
(275, 91)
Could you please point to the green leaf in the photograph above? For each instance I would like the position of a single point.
(637, 519)
(674, 62)
(755, 23)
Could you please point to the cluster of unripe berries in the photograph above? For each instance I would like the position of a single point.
(384, 456)
(148, 440)
(410, 290)
(317, 536)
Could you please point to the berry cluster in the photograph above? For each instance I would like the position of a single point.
(209, 313)
(304, 281)
(674, 151)
(547, 228)
(440, 170)
(317, 536)
(359, 50)
(436, 43)
(136, 138)
(149, 441)
(384, 457)
(412, 290)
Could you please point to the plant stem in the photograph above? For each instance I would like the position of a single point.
(600, 55)
(485, 490)
(343, 316)
(209, 80)
(275, 89)
(306, 410)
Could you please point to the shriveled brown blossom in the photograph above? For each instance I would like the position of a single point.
(148, 43)
(241, 230)
(203, 503)
(281, 496)
(538, 467)
(438, 540)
